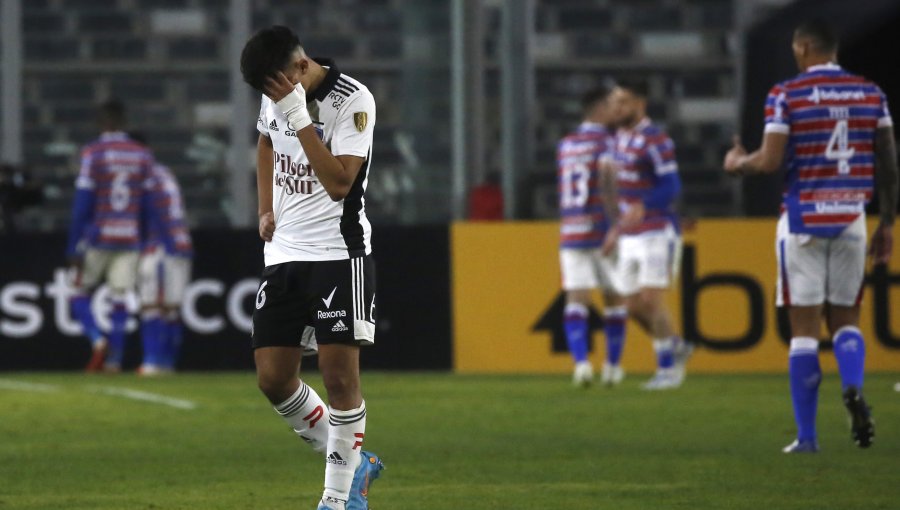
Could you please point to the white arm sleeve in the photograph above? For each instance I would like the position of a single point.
(262, 124)
(354, 126)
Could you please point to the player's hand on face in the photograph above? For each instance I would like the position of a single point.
(278, 86)
(267, 226)
(882, 245)
(734, 156)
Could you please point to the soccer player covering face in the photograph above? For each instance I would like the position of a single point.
(317, 291)
(112, 206)
(587, 205)
(837, 134)
(648, 232)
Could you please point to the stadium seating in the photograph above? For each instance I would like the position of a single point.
(168, 60)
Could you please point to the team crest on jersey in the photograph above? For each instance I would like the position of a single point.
(360, 119)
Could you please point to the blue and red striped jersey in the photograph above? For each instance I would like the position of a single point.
(116, 172)
(578, 158)
(830, 117)
(171, 231)
(645, 156)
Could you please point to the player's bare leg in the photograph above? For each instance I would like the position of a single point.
(575, 322)
(277, 374)
(850, 352)
(805, 375)
(615, 314)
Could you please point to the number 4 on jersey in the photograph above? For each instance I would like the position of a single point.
(837, 149)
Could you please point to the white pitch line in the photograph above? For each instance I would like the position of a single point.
(145, 396)
(12, 384)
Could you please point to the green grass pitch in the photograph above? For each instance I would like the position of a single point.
(71, 441)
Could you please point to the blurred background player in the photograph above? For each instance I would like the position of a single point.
(648, 233)
(112, 193)
(587, 205)
(837, 132)
(165, 270)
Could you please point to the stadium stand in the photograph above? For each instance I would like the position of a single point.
(167, 60)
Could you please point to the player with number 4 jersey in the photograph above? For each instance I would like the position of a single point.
(836, 131)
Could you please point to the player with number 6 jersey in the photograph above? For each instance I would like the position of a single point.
(317, 291)
(836, 131)
(110, 213)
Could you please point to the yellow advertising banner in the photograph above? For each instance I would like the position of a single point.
(507, 303)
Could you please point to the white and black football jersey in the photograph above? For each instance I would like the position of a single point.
(309, 226)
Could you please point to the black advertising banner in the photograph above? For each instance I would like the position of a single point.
(37, 331)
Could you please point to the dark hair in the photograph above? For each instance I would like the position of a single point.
(112, 112)
(594, 96)
(636, 86)
(266, 53)
(821, 32)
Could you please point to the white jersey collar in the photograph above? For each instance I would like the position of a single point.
(830, 66)
(114, 136)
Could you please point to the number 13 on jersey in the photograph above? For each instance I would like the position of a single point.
(575, 190)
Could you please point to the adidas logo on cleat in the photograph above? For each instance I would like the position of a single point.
(339, 326)
(335, 458)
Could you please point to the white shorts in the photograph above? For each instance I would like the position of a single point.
(649, 260)
(117, 268)
(163, 278)
(587, 268)
(813, 270)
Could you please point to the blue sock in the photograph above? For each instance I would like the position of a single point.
(665, 353)
(576, 324)
(81, 310)
(118, 318)
(805, 375)
(174, 332)
(850, 351)
(614, 329)
(152, 338)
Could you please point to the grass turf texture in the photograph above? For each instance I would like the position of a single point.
(449, 442)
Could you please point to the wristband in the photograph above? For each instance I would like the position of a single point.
(293, 106)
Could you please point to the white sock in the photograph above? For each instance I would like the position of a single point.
(307, 414)
(345, 437)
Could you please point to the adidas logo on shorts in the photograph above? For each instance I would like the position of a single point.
(339, 326)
